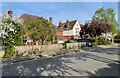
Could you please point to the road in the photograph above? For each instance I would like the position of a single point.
(102, 61)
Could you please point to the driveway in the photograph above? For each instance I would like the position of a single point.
(102, 61)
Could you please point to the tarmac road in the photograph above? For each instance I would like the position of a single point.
(102, 61)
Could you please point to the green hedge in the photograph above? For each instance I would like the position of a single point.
(101, 41)
(64, 46)
(83, 46)
(94, 41)
(117, 40)
(9, 51)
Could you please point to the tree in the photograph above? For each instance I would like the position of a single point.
(118, 35)
(40, 28)
(10, 32)
(94, 28)
(106, 15)
(117, 38)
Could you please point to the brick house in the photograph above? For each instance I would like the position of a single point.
(68, 30)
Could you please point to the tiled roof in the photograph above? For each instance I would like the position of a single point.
(28, 17)
(64, 26)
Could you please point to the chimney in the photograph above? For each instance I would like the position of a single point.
(10, 12)
(67, 23)
(51, 20)
(60, 24)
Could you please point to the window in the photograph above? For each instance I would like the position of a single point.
(76, 28)
(77, 32)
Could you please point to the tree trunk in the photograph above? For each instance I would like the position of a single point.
(45, 40)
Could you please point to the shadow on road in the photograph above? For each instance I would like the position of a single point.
(58, 66)
(109, 71)
(36, 68)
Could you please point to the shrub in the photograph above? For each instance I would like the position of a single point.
(64, 46)
(55, 42)
(9, 51)
(106, 42)
(117, 40)
(83, 46)
(94, 41)
(102, 41)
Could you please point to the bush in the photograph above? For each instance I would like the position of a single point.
(9, 51)
(83, 46)
(102, 41)
(94, 41)
(117, 40)
(106, 42)
(55, 42)
(64, 46)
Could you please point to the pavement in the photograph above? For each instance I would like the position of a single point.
(100, 61)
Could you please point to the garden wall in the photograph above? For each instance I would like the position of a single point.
(74, 45)
(46, 49)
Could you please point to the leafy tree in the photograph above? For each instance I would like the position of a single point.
(94, 28)
(10, 32)
(39, 28)
(118, 35)
(117, 38)
(106, 15)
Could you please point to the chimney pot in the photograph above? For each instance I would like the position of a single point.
(10, 12)
(51, 20)
(60, 24)
(67, 23)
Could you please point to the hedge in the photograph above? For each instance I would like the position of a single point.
(101, 41)
(94, 41)
(117, 40)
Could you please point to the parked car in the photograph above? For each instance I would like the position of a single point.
(87, 43)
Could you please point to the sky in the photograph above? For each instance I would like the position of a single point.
(59, 11)
(60, 0)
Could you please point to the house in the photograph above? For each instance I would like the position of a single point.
(68, 30)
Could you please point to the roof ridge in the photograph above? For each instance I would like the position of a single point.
(69, 21)
(30, 15)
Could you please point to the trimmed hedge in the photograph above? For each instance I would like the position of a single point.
(117, 40)
(101, 41)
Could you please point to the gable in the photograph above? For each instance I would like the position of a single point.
(77, 26)
(71, 25)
